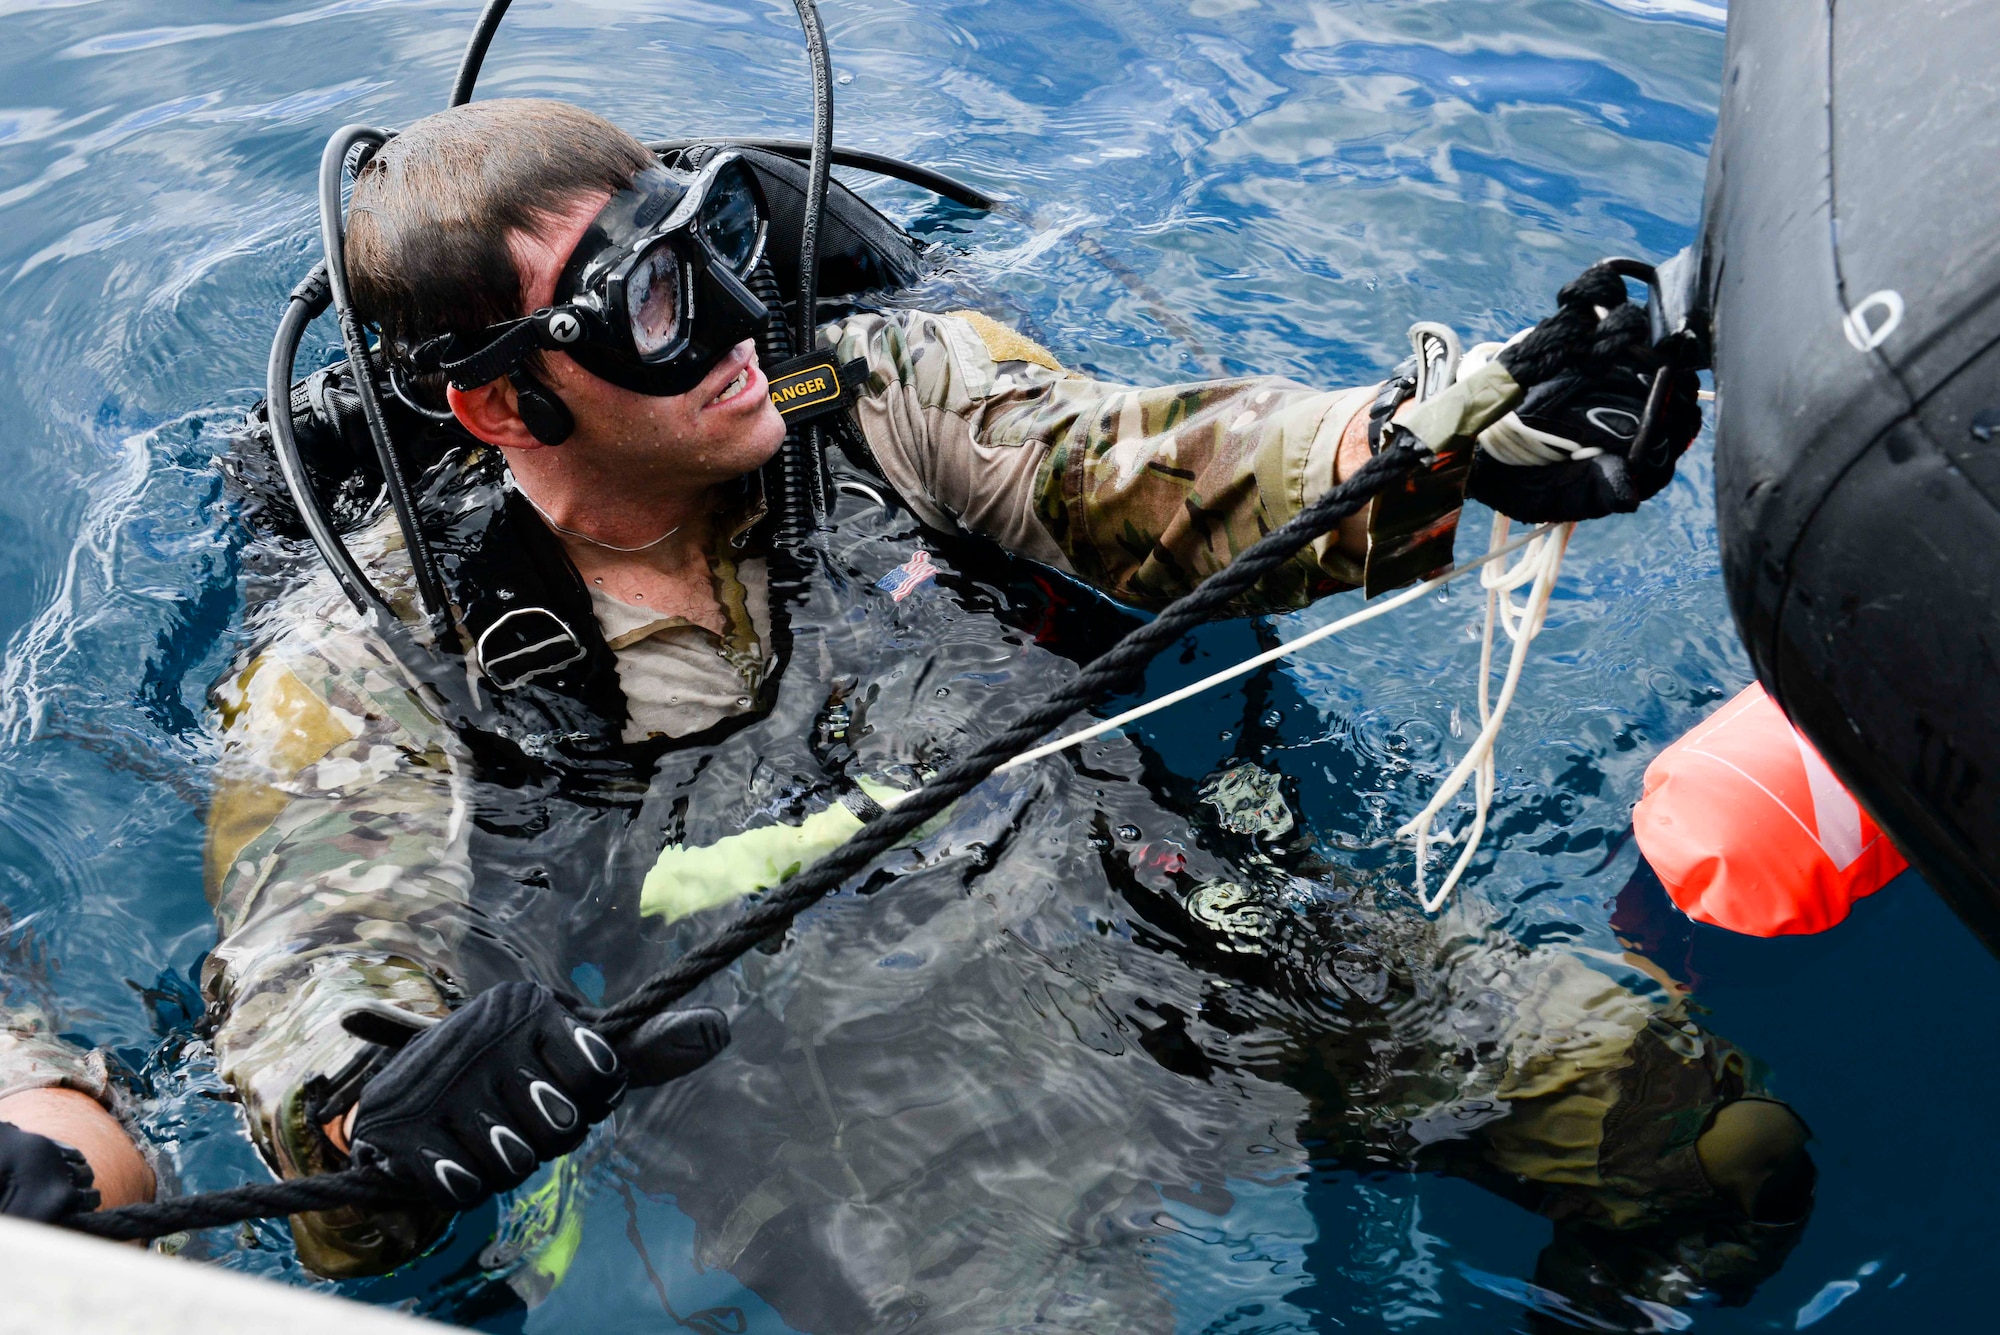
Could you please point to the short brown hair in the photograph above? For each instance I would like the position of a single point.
(427, 235)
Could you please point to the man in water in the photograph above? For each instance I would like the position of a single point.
(953, 1102)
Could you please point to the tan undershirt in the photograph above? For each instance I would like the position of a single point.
(679, 677)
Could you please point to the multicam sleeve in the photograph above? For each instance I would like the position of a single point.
(1141, 492)
(339, 873)
(32, 1057)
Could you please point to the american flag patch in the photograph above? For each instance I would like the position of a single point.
(908, 577)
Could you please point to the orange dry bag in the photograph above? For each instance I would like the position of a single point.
(1749, 830)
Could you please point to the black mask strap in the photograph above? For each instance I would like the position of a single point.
(506, 347)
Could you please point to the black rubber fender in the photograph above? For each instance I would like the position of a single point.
(1849, 263)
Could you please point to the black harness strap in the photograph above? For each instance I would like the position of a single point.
(816, 385)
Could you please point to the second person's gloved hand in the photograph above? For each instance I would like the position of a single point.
(473, 1105)
(42, 1179)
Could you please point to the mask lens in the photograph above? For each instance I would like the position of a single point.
(653, 301)
(729, 221)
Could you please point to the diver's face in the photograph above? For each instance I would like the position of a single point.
(721, 429)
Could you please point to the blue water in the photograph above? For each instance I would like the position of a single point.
(1215, 185)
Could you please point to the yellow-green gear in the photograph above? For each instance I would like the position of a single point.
(542, 1229)
(684, 881)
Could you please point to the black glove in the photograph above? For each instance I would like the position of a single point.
(1589, 371)
(473, 1105)
(1577, 336)
(42, 1179)
(1599, 409)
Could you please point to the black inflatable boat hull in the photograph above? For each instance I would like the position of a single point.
(1850, 266)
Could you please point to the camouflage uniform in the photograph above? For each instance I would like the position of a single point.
(342, 831)
(31, 1057)
(334, 857)
(1142, 493)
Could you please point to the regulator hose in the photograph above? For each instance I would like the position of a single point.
(333, 165)
(308, 301)
(801, 458)
(475, 51)
(1109, 673)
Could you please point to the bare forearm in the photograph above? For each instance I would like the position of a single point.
(81, 1122)
(1353, 452)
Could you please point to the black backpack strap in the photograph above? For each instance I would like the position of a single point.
(816, 385)
(533, 636)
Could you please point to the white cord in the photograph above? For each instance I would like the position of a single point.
(1499, 549)
(1538, 567)
(1512, 441)
(1439, 363)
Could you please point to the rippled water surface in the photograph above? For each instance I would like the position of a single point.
(1215, 185)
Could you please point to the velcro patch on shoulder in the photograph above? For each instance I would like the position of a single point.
(812, 386)
(1009, 345)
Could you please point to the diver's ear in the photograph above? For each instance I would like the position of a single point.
(492, 413)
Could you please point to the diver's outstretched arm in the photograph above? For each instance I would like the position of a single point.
(1141, 492)
(84, 1158)
(1145, 492)
(62, 1145)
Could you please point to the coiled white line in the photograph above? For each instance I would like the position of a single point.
(1537, 568)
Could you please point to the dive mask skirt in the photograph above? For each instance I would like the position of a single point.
(653, 296)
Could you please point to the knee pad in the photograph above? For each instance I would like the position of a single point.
(1753, 1153)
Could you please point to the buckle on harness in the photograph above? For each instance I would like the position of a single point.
(527, 643)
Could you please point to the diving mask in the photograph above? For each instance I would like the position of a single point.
(652, 297)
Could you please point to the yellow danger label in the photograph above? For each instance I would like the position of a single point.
(804, 388)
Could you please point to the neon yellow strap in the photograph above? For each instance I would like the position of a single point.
(687, 880)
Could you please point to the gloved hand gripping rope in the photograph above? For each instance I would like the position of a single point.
(576, 1063)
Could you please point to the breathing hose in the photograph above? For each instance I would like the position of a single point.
(475, 51)
(333, 164)
(308, 301)
(1111, 672)
(801, 459)
(881, 164)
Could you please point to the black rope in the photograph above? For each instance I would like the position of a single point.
(1112, 671)
(257, 1200)
(1574, 337)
